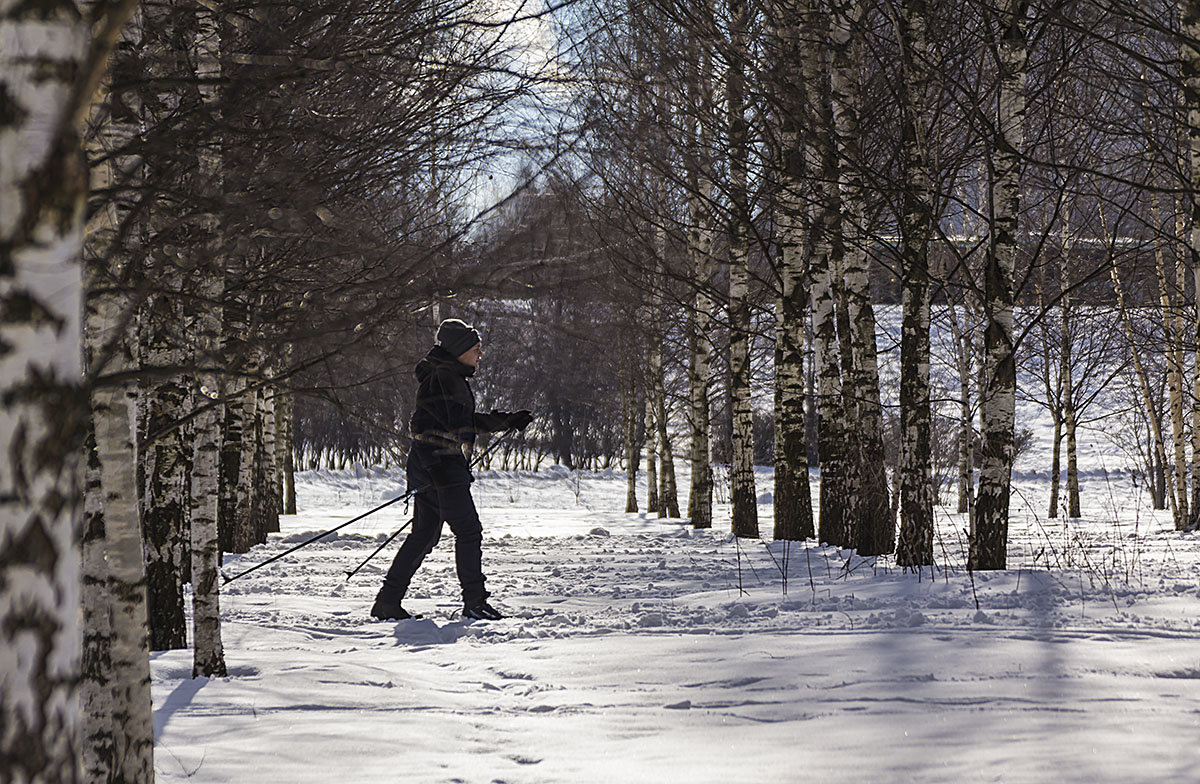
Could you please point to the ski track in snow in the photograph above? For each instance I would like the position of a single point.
(631, 654)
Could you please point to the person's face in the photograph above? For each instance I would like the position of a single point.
(472, 355)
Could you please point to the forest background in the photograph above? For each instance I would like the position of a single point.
(228, 230)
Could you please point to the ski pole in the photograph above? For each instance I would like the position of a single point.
(305, 543)
(492, 446)
(388, 541)
(409, 494)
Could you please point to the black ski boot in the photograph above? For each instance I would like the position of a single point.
(481, 611)
(385, 610)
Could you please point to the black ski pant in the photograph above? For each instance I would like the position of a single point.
(435, 504)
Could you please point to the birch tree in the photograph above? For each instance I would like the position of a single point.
(1070, 417)
(820, 160)
(111, 345)
(668, 496)
(873, 523)
(793, 498)
(1066, 374)
(113, 410)
(1052, 386)
(916, 483)
(1189, 51)
(208, 657)
(96, 675)
(700, 497)
(1172, 323)
(700, 240)
(163, 396)
(633, 450)
(287, 449)
(989, 532)
(273, 492)
(964, 355)
(650, 439)
(118, 730)
(164, 489)
(745, 500)
(46, 83)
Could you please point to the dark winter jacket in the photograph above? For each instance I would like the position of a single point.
(444, 422)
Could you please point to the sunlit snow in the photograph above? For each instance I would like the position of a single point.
(639, 650)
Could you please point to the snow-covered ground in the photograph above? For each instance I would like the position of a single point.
(640, 650)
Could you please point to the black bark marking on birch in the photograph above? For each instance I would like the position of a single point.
(46, 10)
(33, 548)
(21, 307)
(12, 113)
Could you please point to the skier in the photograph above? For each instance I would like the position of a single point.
(443, 428)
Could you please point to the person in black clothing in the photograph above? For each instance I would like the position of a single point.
(443, 428)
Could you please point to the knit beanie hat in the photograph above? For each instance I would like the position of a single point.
(457, 337)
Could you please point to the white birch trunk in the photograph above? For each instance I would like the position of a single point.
(1190, 58)
(633, 450)
(653, 419)
(249, 493)
(94, 686)
(989, 537)
(110, 337)
(283, 440)
(1055, 467)
(271, 490)
(652, 499)
(855, 495)
(793, 495)
(113, 406)
(1174, 356)
(1067, 380)
(966, 442)
(700, 237)
(162, 399)
(743, 495)
(668, 490)
(1071, 428)
(164, 496)
(234, 519)
(118, 717)
(820, 159)
(42, 187)
(668, 499)
(916, 482)
(288, 450)
(208, 652)
(875, 524)
(100, 730)
(1194, 250)
(700, 497)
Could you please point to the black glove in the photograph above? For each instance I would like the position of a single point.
(519, 420)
